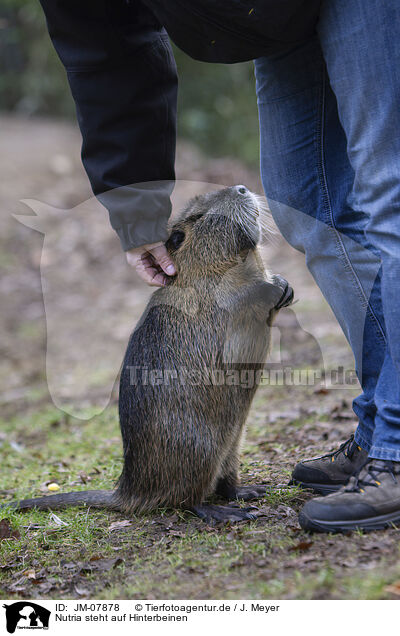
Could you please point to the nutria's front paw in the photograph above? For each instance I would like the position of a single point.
(224, 514)
(287, 292)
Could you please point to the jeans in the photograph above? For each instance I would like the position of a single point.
(329, 114)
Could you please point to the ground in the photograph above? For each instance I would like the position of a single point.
(92, 302)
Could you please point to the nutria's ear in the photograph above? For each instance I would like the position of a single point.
(175, 240)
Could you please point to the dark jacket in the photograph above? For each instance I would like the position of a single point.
(123, 79)
(122, 75)
(235, 30)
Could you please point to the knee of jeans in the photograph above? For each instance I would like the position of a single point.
(383, 228)
(376, 187)
(295, 226)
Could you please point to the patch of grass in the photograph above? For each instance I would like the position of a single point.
(285, 496)
(51, 446)
(169, 554)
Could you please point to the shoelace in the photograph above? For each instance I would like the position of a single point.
(348, 448)
(360, 480)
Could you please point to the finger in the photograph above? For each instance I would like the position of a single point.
(153, 277)
(150, 272)
(159, 280)
(146, 267)
(162, 257)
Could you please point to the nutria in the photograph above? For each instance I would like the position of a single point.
(182, 405)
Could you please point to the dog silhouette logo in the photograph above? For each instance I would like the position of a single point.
(26, 615)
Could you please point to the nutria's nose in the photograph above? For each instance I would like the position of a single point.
(241, 189)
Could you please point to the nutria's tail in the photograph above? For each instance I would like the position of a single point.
(93, 498)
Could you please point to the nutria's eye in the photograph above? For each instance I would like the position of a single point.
(175, 240)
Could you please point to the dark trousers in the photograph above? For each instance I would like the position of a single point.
(122, 75)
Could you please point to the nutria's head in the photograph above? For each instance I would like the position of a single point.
(215, 230)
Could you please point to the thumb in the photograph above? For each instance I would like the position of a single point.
(163, 259)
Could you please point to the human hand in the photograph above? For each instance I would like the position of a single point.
(152, 263)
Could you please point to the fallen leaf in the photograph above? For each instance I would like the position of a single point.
(53, 487)
(393, 589)
(177, 533)
(301, 547)
(57, 520)
(6, 531)
(38, 580)
(30, 574)
(117, 525)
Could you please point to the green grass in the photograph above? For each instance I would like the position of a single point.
(169, 554)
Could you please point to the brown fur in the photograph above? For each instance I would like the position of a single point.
(182, 439)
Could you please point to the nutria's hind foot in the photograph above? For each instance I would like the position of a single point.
(224, 514)
(229, 491)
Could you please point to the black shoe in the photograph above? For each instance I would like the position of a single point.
(370, 501)
(328, 473)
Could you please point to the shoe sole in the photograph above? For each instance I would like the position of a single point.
(379, 522)
(320, 489)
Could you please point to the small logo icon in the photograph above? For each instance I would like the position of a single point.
(26, 615)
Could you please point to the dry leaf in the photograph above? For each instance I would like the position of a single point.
(57, 520)
(117, 525)
(393, 589)
(30, 574)
(301, 547)
(6, 531)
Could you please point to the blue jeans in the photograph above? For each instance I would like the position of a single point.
(330, 159)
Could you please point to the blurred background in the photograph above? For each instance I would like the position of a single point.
(217, 109)
(93, 298)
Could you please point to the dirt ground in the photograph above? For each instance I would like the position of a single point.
(92, 297)
(68, 303)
